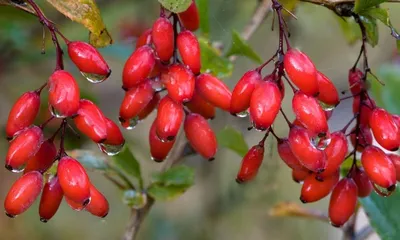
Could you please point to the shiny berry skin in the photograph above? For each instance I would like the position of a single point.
(180, 83)
(379, 167)
(365, 109)
(158, 149)
(299, 175)
(199, 105)
(396, 162)
(135, 100)
(214, 91)
(309, 113)
(138, 67)
(336, 152)
(314, 190)
(23, 113)
(74, 180)
(190, 18)
(24, 146)
(146, 111)
(363, 183)
(189, 49)
(43, 159)
(286, 154)
(64, 94)
(384, 128)
(91, 121)
(98, 205)
(51, 199)
(163, 38)
(364, 137)
(23, 193)
(265, 103)
(169, 119)
(343, 202)
(355, 81)
(87, 58)
(74, 205)
(114, 134)
(250, 164)
(200, 135)
(308, 155)
(243, 90)
(328, 93)
(301, 71)
(144, 39)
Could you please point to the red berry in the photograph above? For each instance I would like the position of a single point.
(23, 193)
(138, 67)
(198, 105)
(355, 81)
(299, 175)
(163, 38)
(265, 103)
(286, 154)
(114, 135)
(158, 149)
(146, 111)
(364, 137)
(314, 190)
(23, 113)
(169, 119)
(327, 90)
(24, 146)
(189, 49)
(64, 94)
(301, 71)
(200, 135)
(88, 59)
(43, 159)
(365, 109)
(384, 128)
(343, 202)
(335, 153)
(243, 90)
(144, 39)
(362, 181)
(180, 82)
(250, 164)
(190, 18)
(51, 199)
(379, 167)
(91, 121)
(214, 91)
(396, 162)
(74, 180)
(135, 100)
(98, 205)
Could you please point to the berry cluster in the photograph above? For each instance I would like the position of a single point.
(167, 58)
(311, 150)
(33, 155)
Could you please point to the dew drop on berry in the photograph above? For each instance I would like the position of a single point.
(130, 123)
(321, 142)
(95, 78)
(381, 191)
(326, 107)
(18, 169)
(110, 150)
(134, 199)
(157, 85)
(242, 114)
(55, 113)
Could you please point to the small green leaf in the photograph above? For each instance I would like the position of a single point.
(350, 29)
(127, 162)
(175, 6)
(371, 29)
(241, 48)
(390, 75)
(176, 176)
(90, 160)
(232, 139)
(378, 13)
(363, 5)
(164, 193)
(204, 17)
(212, 61)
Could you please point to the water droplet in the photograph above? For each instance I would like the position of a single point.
(156, 159)
(15, 170)
(321, 142)
(130, 124)
(157, 84)
(134, 199)
(55, 113)
(384, 192)
(95, 78)
(10, 215)
(258, 129)
(111, 150)
(242, 114)
(326, 107)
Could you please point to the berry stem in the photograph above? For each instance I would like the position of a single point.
(39, 90)
(285, 117)
(62, 152)
(175, 25)
(43, 125)
(344, 129)
(274, 134)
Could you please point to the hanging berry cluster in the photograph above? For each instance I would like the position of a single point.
(311, 150)
(167, 59)
(32, 155)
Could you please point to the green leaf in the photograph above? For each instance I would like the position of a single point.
(232, 139)
(126, 161)
(378, 13)
(175, 6)
(212, 61)
(23, 5)
(362, 5)
(371, 29)
(90, 160)
(350, 29)
(204, 17)
(164, 193)
(241, 48)
(86, 13)
(390, 75)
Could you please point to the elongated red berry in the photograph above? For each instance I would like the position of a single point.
(355, 81)
(146, 111)
(114, 134)
(286, 154)
(343, 202)
(379, 167)
(135, 100)
(250, 164)
(180, 82)
(24, 146)
(43, 159)
(158, 149)
(301, 71)
(396, 162)
(163, 38)
(64, 94)
(336, 152)
(328, 93)
(190, 18)
(189, 49)
(51, 199)
(308, 155)
(265, 103)
(365, 109)
(314, 190)
(200, 135)
(199, 105)
(138, 67)
(91, 121)
(214, 91)
(23, 113)
(309, 113)
(23, 193)
(98, 205)
(144, 39)
(169, 119)
(74, 180)
(243, 90)
(88, 59)
(299, 175)
(384, 128)
(362, 181)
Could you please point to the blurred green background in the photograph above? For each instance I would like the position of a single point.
(216, 207)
